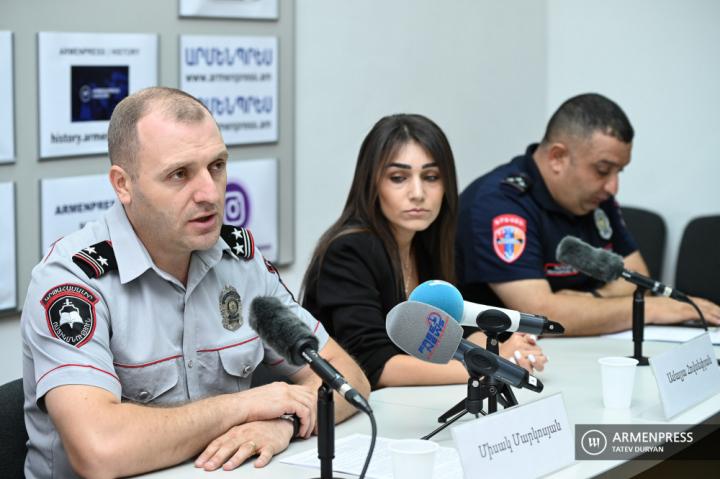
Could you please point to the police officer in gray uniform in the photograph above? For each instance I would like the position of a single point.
(149, 306)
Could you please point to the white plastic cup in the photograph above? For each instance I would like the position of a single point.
(618, 379)
(413, 458)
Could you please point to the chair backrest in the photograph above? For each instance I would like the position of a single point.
(649, 230)
(13, 435)
(698, 264)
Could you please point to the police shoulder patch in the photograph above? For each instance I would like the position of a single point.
(96, 260)
(70, 313)
(509, 236)
(240, 241)
(519, 181)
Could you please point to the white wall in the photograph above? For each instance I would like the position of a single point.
(475, 67)
(490, 73)
(659, 60)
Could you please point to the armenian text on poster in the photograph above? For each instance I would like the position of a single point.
(237, 79)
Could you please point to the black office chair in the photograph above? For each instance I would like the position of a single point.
(698, 263)
(263, 375)
(649, 230)
(13, 435)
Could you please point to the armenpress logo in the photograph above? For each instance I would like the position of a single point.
(593, 442)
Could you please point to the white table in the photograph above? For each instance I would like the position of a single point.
(572, 370)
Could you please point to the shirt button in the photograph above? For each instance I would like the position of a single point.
(247, 370)
(190, 364)
(143, 395)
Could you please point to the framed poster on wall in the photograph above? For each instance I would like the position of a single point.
(252, 9)
(251, 201)
(66, 204)
(82, 76)
(237, 79)
(8, 262)
(7, 102)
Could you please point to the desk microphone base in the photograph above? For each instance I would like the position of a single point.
(478, 389)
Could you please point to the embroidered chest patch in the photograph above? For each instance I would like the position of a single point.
(70, 313)
(509, 236)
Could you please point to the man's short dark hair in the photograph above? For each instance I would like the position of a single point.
(123, 142)
(583, 115)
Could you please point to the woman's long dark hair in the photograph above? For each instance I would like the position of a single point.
(434, 247)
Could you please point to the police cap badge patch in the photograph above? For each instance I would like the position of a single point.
(231, 308)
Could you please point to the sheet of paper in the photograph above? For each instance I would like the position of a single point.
(351, 451)
(673, 334)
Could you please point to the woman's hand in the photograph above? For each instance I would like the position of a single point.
(522, 349)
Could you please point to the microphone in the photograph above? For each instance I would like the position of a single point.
(607, 266)
(430, 334)
(446, 297)
(292, 339)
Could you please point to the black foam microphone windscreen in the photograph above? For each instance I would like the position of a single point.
(281, 329)
(595, 262)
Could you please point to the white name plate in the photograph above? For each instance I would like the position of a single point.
(524, 441)
(686, 375)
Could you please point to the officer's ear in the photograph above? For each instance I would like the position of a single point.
(558, 157)
(121, 183)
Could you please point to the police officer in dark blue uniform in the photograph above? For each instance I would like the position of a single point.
(512, 219)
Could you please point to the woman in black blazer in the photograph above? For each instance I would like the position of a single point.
(397, 230)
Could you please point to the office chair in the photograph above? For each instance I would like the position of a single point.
(13, 436)
(698, 263)
(649, 230)
(264, 375)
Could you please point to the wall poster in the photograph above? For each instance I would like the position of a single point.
(251, 201)
(82, 76)
(253, 9)
(7, 102)
(237, 79)
(66, 204)
(8, 262)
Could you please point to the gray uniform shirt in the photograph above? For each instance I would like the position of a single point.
(132, 329)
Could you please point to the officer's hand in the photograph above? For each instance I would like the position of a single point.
(261, 438)
(523, 350)
(273, 400)
(710, 310)
(661, 310)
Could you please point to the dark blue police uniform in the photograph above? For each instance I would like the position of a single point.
(509, 228)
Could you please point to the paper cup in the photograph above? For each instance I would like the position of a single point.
(413, 458)
(618, 379)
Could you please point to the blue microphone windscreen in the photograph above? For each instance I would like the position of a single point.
(442, 295)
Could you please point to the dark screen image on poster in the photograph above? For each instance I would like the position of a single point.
(95, 90)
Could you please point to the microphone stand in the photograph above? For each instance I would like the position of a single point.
(478, 389)
(326, 430)
(638, 326)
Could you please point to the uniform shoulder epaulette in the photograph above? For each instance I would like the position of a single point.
(96, 260)
(519, 181)
(240, 240)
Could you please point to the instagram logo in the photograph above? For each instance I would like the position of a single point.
(237, 204)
